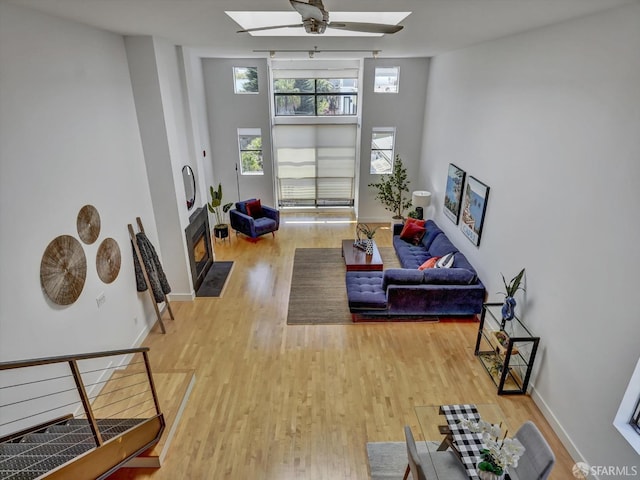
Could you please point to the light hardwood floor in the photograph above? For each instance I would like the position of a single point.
(273, 401)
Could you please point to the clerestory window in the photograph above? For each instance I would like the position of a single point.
(318, 97)
(245, 80)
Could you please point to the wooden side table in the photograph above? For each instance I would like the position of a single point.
(356, 259)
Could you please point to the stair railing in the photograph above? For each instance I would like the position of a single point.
(114, 385)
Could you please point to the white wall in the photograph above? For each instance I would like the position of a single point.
(68, 137)
(197, 106)
(227, 112)
(404, 111)
(550, 120)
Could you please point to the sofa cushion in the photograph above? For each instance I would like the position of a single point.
(364, 290)
(264, 225)
(449, 276)
(410, 256)
(432, 231)
(441, 246)
(401, 276)
(460, 261)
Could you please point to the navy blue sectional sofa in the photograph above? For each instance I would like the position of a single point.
(409, 292)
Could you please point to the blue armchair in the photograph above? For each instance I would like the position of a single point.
(253, 219)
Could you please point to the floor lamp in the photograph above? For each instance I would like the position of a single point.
(420, 200)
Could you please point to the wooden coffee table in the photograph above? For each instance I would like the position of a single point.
(357, 260)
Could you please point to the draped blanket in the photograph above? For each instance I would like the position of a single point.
(158, 280)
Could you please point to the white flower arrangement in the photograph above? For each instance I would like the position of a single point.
(498, 454)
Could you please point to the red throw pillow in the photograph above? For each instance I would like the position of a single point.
(416, 221)
(431, 263)
(409, 223)
(412, 232)
(254, 209)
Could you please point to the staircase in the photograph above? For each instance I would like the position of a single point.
(77, 445)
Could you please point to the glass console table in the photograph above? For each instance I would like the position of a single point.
(506, 349)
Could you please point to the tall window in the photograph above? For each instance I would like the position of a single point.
(315, 96)
(250, 146)
(245, 79)
(382, 143)
(315, 164)
(386, 80)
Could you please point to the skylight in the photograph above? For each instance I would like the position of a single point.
(248, 20)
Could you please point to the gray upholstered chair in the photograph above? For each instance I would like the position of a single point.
(415, 465)
(538, 459)
(431, 465)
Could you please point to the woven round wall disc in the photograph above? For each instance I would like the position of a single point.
(108, 260)
(88, 224)
(63, 270)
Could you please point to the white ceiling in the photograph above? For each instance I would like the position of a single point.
(434, 26)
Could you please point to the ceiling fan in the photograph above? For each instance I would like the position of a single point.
(315, 19)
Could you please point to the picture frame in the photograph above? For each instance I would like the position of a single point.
(453, 193)
(474, 207)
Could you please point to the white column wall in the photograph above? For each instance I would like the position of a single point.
(158, 98)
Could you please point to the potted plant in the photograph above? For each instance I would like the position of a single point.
(511, 287)
(391, 188)
(369, 232)
(220, 229)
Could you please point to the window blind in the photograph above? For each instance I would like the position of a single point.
(315, 164)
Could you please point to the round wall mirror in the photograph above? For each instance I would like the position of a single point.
(189, 186)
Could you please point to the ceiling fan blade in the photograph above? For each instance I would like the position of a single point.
(308, 11)
(257, 29)
(365, 27)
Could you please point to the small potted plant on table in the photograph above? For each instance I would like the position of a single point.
(368, 232)
(511, 287)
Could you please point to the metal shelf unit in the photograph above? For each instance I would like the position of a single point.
(506, 349)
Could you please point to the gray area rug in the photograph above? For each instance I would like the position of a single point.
(318, 294)
(388, 460)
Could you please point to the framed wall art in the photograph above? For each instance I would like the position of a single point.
(453, 193)
(474, 207)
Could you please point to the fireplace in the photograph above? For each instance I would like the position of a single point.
(198, 238)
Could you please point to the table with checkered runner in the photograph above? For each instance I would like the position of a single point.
(467, 443)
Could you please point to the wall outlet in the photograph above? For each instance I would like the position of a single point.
(101, 299)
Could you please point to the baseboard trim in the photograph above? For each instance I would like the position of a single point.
(182, 297)
(557, 427)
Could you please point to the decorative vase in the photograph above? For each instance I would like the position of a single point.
(483, 475)
(509, 308)
(369, 247)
